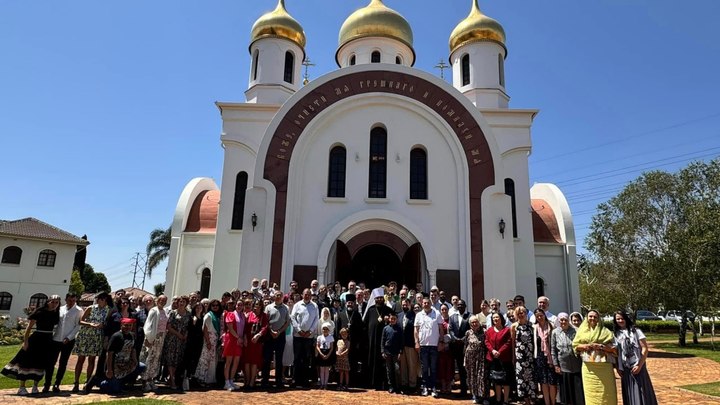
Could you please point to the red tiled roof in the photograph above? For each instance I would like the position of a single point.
(34, 228)
(204, 212)
(545, 226)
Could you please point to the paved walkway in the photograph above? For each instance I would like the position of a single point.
(667, 370)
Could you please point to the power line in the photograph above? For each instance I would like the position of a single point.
(141, 267)
(638, 167)
(650, 132)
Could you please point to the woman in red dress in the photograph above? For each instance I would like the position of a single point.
(255, 328)
(499, 357)
(233, 341)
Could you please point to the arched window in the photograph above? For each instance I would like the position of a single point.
(11, 255)
(398, 60)
(47, 258)
(256, 56)
(5, 301)
(352, 60)
(289, 66)
(37, 300)
(205, 283)
(378, 163)
(375, 57)
(239, 201)
(336, 172)
(418, 174)
(465, 62)
(510, 190)
(501, 69)
(540, 284)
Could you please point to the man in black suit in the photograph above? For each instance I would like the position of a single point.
(458, 326)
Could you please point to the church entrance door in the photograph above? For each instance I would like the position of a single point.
(377, 264)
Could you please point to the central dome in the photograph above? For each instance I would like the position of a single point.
(375, 20)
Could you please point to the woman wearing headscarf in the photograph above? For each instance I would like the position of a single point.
(632, 349)
(31, 360)
(567, 364)
(205, 370)
(594, 343)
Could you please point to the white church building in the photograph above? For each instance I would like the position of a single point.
(375, 172)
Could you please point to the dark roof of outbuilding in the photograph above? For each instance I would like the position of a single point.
(37, 229)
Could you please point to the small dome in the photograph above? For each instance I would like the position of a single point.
(476, 27)
(204, 212)
(376, 20)
(278, 24)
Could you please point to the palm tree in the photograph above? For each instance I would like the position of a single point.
(158, 248)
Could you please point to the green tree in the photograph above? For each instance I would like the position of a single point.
(657, 243)
(94, 282)
(159, 288)
(76, 285)
(158, 248)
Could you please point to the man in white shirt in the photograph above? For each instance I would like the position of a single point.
(428, 326)
(544, 304)
(63, 341)
(304, 318)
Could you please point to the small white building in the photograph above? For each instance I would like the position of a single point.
(37, 262)
(377, 171)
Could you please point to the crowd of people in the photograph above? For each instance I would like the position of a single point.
(395, 338)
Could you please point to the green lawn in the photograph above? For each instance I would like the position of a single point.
(702, 349)
(8, 352)
(707, 389)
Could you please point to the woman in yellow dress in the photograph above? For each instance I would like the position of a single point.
(594, 343)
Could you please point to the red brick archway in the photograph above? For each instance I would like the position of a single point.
(444, 104)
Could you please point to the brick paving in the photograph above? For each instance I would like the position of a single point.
(667, 370)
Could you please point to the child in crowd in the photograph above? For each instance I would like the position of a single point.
(342, 361)
(324, 348)
(391, 346)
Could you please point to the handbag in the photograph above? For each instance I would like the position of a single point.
(497, 373)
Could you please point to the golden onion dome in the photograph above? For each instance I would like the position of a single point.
(375, 20)
(476, 27)
(278, 24)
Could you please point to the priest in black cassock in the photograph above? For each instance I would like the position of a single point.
(375, 319)
(351, 318)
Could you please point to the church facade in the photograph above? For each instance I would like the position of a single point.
(375, 172)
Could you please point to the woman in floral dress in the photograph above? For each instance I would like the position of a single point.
(522, 337)
(89, 340)
(205, 371)
(174, 348)
(475, 360)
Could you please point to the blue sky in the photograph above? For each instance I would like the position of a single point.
(107, 108)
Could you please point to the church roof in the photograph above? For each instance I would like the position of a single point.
(204, 212)
(34, 228)
(545, 225)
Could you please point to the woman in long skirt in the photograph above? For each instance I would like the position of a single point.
(475, 360)
(567, 364)
(524, 344)
(637, 389)
(194, 345)
(593, 342)
(155, 327)
(31, 361)
(174, 346)
(205, 371)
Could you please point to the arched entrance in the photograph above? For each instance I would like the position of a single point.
(376, 258)
(375, 265)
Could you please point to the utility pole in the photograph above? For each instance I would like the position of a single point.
(140, 266)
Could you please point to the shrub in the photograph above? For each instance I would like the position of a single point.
(12, 336)
(659, 326)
